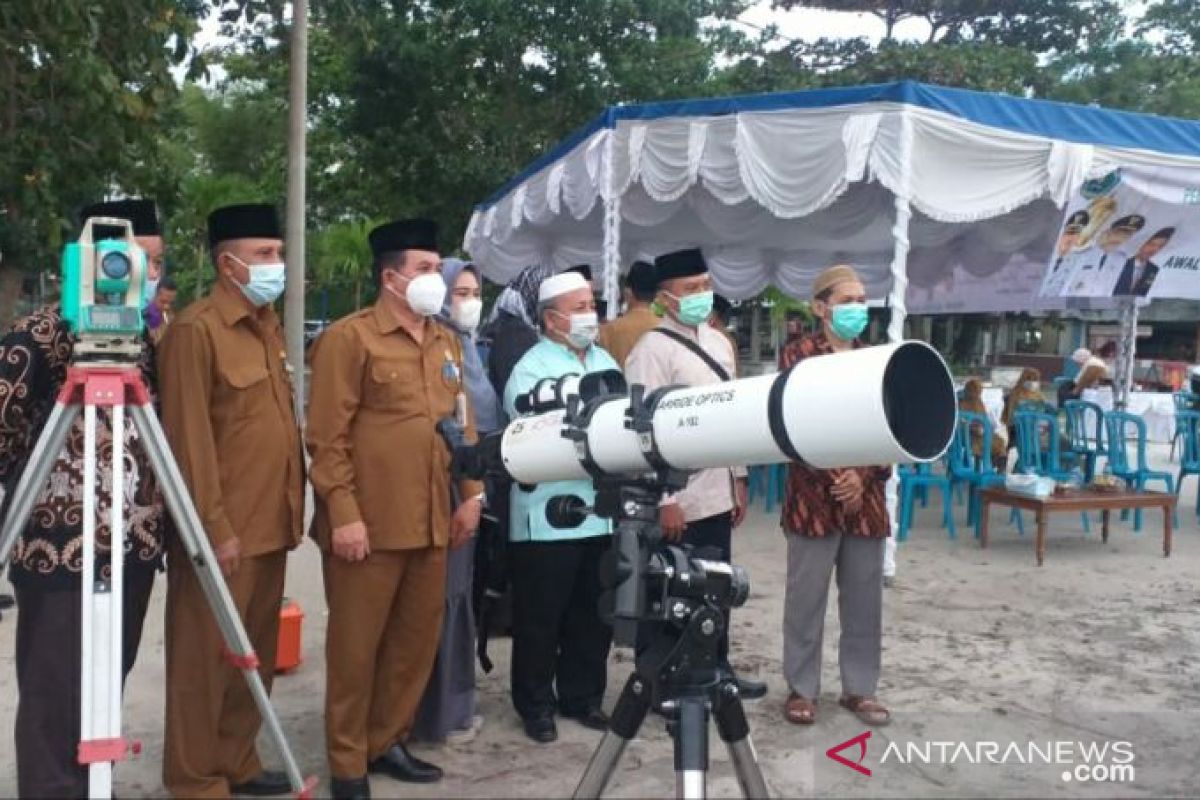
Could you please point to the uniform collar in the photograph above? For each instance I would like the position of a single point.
(387, 323)
(230, 304)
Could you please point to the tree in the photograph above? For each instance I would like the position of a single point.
(83, 83)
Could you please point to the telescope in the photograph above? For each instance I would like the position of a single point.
(892, 404)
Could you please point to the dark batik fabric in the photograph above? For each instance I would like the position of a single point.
(809, 509)
(34, 356)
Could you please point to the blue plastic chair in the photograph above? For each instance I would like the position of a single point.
(1187, 428)
(976, 472)
(922, 476)
(1184, 402)
(769, 481)
(1038, 451)
(1085, 431)
(1117, 426)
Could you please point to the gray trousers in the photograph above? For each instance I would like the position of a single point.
(811, 562)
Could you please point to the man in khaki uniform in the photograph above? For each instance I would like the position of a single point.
(227, 410)
(619, 336)
(381, 380)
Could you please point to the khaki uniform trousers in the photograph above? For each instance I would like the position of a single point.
(212, 721)
(385, 620)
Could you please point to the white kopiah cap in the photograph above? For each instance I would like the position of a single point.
(560, 284)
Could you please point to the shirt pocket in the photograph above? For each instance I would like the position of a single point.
(246, 388)
(389, 385)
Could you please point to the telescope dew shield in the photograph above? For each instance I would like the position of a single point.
(891, 404)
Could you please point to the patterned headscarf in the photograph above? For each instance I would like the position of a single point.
(519, 298)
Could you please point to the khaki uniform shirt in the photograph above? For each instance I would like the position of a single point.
(377, 395)
(657, 361)
(619, 336)
(226, 394)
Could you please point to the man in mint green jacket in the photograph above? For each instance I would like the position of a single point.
(560, 643)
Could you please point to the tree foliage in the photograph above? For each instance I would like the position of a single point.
(82, 84)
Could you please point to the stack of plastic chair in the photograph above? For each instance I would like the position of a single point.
(976, 472)
(1187, 428)
(1085, 431)
(1184, 402)
(1038, 451)
(922, 476)
(1117, 426)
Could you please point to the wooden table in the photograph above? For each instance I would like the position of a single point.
(1077, 500)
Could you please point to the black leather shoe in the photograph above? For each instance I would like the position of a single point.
(353, 789)
(593, 718)
(402, 765)
(751, 690)
(541, 729)
(269, 783)
(6, 602)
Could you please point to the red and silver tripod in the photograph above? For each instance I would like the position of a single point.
(116, 387)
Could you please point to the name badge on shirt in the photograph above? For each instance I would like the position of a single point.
(450, 371)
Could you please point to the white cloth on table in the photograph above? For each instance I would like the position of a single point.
(1156, 408)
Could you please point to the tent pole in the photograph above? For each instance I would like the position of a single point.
(1126, 352)
(611, 290)
(897, 301)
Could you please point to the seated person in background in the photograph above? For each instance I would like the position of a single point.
(1093, 372)
(972, 401)
(1027, 390)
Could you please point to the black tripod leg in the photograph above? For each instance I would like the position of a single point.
(734, 730)
(627, 718)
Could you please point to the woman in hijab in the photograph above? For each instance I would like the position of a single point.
(972, 401)
(512, 328)
(447, 711)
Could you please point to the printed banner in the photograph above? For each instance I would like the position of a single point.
(1129, 235)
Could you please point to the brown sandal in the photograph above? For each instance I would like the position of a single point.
(799, 710)
(868, 710)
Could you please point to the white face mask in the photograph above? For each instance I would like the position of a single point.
(585, 327)
(425, 293)
(466, 314)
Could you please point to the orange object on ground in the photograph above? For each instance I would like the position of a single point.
(291, 621)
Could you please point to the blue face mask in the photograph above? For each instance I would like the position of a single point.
(151, 287)
(849, 321)
(266, 282)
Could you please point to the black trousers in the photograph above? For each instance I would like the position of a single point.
(560, 643)
(48, 665)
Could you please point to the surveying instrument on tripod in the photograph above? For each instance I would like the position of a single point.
(103, 295)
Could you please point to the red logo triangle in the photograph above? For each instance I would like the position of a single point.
(835, 753)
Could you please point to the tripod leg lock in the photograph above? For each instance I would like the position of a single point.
(99, 751)
(246, 662)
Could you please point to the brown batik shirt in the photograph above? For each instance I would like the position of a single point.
(34, 356)
(809, 508)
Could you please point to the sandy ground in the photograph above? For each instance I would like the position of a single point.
(1098, 646)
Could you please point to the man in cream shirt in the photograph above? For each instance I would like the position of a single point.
(684, 350)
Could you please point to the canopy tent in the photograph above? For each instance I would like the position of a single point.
(904, 180)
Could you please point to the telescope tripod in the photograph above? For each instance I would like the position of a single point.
(677, 673)
(115, 387)
(687, 708)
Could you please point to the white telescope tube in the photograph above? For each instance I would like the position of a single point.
(874, 406)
